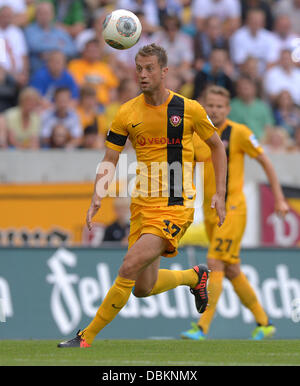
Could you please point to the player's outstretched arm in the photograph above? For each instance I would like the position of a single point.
(281, 207)
(219, 159)
(104, 175)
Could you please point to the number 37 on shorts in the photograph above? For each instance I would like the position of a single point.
(171, 228)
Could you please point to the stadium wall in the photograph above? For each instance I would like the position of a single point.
(31, 166)
(50, 293)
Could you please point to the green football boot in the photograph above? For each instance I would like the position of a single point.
(263, 332)
(194, 333)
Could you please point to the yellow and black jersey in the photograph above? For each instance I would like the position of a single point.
(162, 137)
(238, 140)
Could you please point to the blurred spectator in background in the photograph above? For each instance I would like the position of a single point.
(93, 5)
(3, 133)
(228, 11)
(254, 40)
(94, 32)
(8, 90)
(264, 5)
(147, 7)
(296, 146)
(14, 57)
(175, 82)
(214, 72)
(92, 139)
(211, 37)
(119, 229)
(69, 16)
(52, 76)
(286, 113)
(127, 57)
(178, 45)
(187, 18)
(127, 89)
(285, 37)
(290, 8)
(90, 69)
(23, 121)
(107, 53)
(30, 11)
(19, 11)
(276, 140)
(63, 114)
(250, 68)
(88, 110)
(60, 137)
(42, 37)
(246, 108)
(284, 76)
(169, 7)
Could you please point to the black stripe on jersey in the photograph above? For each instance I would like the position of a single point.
(225, 137)
(174, 149)
(116, 139)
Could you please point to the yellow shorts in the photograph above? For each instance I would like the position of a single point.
(168, 222)
(225, 241)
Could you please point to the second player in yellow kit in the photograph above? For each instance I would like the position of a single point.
(238, 140)
(223, 256)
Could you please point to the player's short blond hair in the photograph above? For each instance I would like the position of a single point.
(154, 50)
(217, 90)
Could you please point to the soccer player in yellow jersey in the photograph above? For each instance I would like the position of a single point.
(223, 257)
(160, 124)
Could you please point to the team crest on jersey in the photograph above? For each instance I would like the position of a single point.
(175, 120)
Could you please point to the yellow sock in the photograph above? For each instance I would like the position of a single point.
(214, 288)
(114, 301)
(249, 299)
(169, 279)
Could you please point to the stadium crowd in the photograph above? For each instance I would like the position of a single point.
(61, 84)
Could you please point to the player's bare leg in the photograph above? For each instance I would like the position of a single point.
(147, 279)
(143, 253)
(153, 281)
(247, 296)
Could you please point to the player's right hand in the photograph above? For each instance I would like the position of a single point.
(281, 208)
(93, 209)
(218, 203)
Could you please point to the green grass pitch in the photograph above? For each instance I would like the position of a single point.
(153, 353)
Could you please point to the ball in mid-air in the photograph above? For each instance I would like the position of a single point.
(121, 29)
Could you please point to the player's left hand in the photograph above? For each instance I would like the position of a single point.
(93, 209)
(218, 203)
(281, 208)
